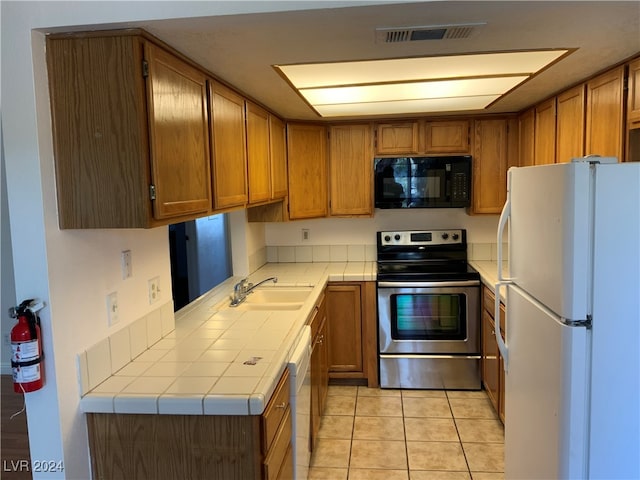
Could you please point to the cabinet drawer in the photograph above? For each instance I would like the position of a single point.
(286, 470)
(273, 463)
(275, 411)
(488, 304)
(488, 301)
(315, 319)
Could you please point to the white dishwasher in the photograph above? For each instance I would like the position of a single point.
(300, 400)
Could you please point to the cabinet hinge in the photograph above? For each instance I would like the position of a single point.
(152, 192)
(145, 68)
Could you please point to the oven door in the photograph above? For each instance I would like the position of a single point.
(429, 317)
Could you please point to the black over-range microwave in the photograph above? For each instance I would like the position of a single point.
(423, 182)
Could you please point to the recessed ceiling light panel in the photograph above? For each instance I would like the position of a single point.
(415, 83)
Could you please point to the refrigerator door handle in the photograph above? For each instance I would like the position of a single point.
(504, 216)
(502, 346)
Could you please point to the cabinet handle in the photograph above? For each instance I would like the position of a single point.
(281, 405)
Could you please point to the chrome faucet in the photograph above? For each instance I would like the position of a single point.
(244, 288)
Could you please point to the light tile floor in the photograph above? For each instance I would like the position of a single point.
(374, 434)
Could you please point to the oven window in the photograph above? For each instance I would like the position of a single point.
(428, 316)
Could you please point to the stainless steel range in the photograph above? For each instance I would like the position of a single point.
(428, 311)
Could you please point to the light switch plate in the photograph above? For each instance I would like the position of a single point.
(112, 308)
(127, 267)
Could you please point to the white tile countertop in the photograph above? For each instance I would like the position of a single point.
(226, 361)
(219, 360)
(488, 270)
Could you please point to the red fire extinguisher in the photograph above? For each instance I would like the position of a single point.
(26, 348)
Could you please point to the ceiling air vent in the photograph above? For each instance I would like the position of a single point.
(430, 32)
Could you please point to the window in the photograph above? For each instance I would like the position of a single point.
(200, 257)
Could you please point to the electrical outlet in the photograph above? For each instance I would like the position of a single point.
(154, 289)
(305, 234)
(112, 308)
(127, 267)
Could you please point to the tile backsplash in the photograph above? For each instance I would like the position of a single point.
(321, 253)
(486, 251)
(356, 253)
(113, 353)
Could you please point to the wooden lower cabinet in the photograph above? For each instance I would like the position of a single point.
(351, 330)
(134, 446)
(319, 366)
(492, 362)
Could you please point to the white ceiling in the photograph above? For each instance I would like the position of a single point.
(241, 49)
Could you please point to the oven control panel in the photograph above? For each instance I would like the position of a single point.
(422, 237)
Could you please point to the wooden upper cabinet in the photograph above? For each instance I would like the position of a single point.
(351, 170)
(633, 113)
(397, 138)
(121, 158)
(422, 137)
(633, 93)
(179, 135)
(278, 154)
(258, 153)
(447, 137)
(545, 133)
(570, 118)
(494, 152)
(229, 147)
(307, 158)
(604, 132)
(526, 138)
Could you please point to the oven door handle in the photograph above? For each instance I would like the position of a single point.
(461, 283)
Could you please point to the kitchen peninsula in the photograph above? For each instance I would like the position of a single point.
(220, 374)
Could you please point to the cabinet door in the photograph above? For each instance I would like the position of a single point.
(605, 114)
(319, 367)
(179, 137)
(545, 133)
(633, 113)
(229, 147)
(306, 152)
(344, 330)
(258, 150)
(99, 118)
(490, 360)
(526, 137)
(399, 138)
(278, 154)
(351, 170)
(490, 165)
(570, 124)
(633, 92)
(447, 137)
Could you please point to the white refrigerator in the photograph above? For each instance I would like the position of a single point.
(572, 345)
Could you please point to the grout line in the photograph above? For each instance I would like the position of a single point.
(404, 430)
(455, 423)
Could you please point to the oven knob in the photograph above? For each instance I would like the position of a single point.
(387, 238)
(397, 237)
(445, 236)
(455, 236)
